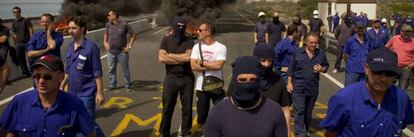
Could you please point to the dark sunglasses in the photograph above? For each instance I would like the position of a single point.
(386, 73)
(45, 77)
(16, 11)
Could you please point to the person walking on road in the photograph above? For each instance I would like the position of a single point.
(260, 29)
(284, 50)
(246, 113)
(330, 22)
(207, 62)
(302, 29)
(355, 55)
(403, 45)
(4, 49)
(118, 46)
(83, 72)
(275, 30)
(336, 20)
(374, 107)
(46, 111)
(22, 30)
(175, 52)
(45, 41)
(377, 35)
(303, 82)
(316, 23)
(345, 31)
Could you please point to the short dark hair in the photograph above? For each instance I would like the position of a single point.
(114, 12)
(312, 34)
(292, 29)
(48, 15)
(211, 27)
(80, 21)
(17, 8)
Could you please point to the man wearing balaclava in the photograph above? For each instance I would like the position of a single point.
(260, 29)
(174, 52)
(275, 30)
(302, 29)
(246, 113)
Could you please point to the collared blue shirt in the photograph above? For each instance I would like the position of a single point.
(301, 70)
(39, 41)
(26, 117)
(284, 50)
(377, 40)
(357, 54)
(83, 66)
(353, 112)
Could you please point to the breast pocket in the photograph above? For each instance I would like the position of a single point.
(81, 62)
(363, 128)
(301, 63)
(26, 130)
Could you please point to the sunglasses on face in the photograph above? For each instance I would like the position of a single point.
(16, 11)
(45, 77)
(386, 73)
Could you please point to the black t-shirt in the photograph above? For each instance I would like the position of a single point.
(168, 44)
(276, 89)
(315, 25)
(275, 32)
(21, 29)
(4, 47)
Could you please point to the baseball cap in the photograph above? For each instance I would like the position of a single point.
(382, 59)
(51, 62)
(261, 14)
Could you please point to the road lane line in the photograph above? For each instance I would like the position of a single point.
(336, 82)
(241, 15)
(8, 99)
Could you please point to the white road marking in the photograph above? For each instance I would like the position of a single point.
(8, 99)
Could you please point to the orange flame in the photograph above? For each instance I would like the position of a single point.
(62, 25)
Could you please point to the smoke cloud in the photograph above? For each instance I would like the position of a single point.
(96, 10)
(202, 10)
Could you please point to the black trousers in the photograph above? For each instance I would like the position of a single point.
(203, 104)
(172, 87)
(21, 56)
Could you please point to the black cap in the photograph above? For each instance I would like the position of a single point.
(264, 50)
(51, 62)
(383, 59)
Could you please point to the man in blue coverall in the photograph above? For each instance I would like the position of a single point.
(303, 82)
(83, 71)
(374, 107)
(355, 54)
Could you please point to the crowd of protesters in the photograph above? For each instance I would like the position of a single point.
(282, 75)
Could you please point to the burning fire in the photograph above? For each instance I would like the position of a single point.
(62, 26)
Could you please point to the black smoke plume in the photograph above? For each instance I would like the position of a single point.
(96, 10)
(202, 10)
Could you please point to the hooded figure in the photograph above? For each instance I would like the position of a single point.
(246, 94)
(179, 26)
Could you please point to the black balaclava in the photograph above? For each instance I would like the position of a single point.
(246, 94)
(179, 31)
(266, 73)
(264, 50)
(276, 19)
(263, 19)
(296, 20)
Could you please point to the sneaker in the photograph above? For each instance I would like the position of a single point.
(128, 90)
(335, 71)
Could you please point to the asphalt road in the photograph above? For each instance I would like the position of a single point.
(138, 113)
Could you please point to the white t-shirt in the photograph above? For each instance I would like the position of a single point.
(214, 52)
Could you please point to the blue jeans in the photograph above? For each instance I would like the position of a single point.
(405, 78)
(89, 103)
(351, 77)
(113, 60)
